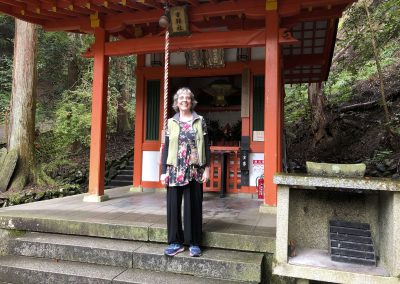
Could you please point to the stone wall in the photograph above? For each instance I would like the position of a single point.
(311, 210)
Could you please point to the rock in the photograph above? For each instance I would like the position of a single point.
(389, 163)
(7, 169)
(336, 170)
(39, 196)
(396, 176)
(381, 167)
(3, 154)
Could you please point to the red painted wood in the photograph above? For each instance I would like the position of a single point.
(139, 122)
(229, 39)
(272, 106)
(99, 115)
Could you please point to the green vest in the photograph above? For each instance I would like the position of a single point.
(173, 129)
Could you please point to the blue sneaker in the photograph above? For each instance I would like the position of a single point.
(194, 251)
(173, 249)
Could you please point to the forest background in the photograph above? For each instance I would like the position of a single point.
(342, 121)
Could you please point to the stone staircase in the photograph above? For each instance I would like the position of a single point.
(50, 251)
(124, 177)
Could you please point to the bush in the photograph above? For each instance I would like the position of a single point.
(73, 116)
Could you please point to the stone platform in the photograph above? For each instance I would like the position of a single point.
(70, 240)
(227, 222)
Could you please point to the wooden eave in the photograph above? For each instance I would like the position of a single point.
(213, 23)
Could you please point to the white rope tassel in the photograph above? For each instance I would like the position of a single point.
(166, 68)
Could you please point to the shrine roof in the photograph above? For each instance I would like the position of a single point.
(312, 22)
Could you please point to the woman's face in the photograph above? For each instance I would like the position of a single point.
(184, 102)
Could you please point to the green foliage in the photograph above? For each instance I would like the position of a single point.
(5, 86)
(379, 156)
(6, 64)
(72, 124)
(59, 60)
(6, 35)
(296, 103)
(339, 88)
(354, 37)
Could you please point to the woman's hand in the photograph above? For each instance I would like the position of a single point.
(164, 179)
(206, 175)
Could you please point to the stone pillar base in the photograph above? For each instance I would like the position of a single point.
(95, 198)
(266, 209)
(136, 189)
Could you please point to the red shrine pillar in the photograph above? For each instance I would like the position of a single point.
(139, 123)
(272, 104)
(99, 119)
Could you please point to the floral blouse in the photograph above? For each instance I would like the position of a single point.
(187, 168)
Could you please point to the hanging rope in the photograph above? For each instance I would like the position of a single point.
(166, 69)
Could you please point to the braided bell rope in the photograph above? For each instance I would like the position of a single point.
(166, 69)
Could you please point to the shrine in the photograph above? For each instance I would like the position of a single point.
(235, 56)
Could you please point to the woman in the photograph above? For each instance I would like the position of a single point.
(185, 167)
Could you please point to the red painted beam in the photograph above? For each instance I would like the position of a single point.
(313, 15)
(231, 39)
(249, 8)
(289, 8)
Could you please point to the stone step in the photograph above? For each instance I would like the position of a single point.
(117, 182)
(213, 234)
(29, 270)
(126, 172)
(214, 263)
(124, 177)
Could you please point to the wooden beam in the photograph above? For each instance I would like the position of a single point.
(152, 4)
(134, 5)
(314, 15)
(200, 40)
(289, 8)
(12, 12)
(193, 2)
(55, 6)
(291, 61)
(196, 14)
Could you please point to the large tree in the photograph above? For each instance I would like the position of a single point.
(23, 103)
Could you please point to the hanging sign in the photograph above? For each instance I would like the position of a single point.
(258, 136)
(179, 21)
(258, 166)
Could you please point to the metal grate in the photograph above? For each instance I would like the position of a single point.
(351, 242)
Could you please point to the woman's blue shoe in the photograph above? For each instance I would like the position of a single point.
(173, 249)
(194, 251)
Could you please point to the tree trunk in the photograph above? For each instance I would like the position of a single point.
(378, 65)
(321, 118)
(73, 64)
(123, 124)
(23, 103)
(393, 138)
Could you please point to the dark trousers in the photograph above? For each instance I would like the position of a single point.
(193, 213)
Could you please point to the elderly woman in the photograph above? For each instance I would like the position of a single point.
(185, 167)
